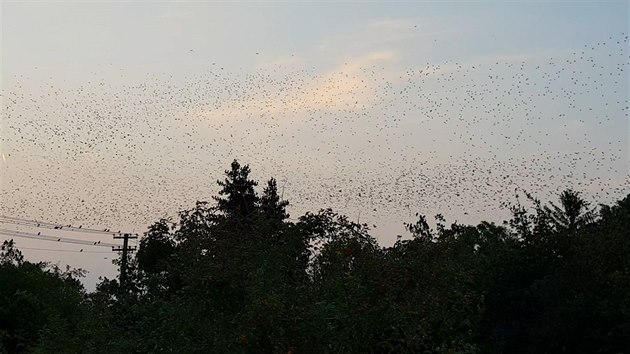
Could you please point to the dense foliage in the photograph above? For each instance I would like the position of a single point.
(238, 277)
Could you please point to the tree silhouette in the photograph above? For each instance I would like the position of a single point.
(10, 254)
(554, 278)
(270, 203)
(572, 213)
(240, 199)
(155, 248)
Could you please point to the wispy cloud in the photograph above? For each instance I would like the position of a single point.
(344, 87)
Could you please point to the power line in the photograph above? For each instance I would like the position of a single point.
(22, 221)
(56, 250)
(55, 239)
(49, 226)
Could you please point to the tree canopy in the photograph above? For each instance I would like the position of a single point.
(238, 276)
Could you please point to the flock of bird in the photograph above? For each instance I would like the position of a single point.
(375, 142)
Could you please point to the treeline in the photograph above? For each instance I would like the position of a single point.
(235, 276)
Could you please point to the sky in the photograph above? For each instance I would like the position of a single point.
(118, 113)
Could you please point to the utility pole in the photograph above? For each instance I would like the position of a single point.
(125, 249)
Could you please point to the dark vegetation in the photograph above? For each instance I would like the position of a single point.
(235, 276)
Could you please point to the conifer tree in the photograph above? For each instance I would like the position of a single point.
(239, 198)
(270, 203)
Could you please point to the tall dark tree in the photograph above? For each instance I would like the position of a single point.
(572, 213)
(155, 248)
(239, 198)
(270, 203)
(154, 253)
